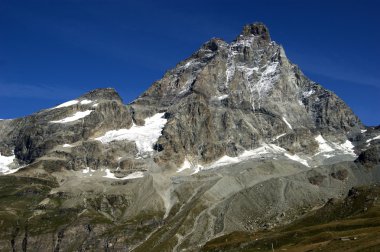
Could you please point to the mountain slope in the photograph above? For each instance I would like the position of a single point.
(351, 224)
(234, 138)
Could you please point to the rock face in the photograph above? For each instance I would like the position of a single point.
(233, 138)
(237, 96)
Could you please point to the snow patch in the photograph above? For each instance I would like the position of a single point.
(232, 51)
(347, 145)
(88, 171)
(258, 81)
(133, 175)
(264, 151)
(230, 66)
(225, 160)
(287, 123)
(144, 136)
(297, 159)
(78, 115)
(248, 154)
(186, 165)
(197, 168)
(376, 137)
(308, 93)
(222, 97)
(189, 63)
(67, 104)
(323, 145)
(363, 131)
(261, 152)
(84, 102)
(6, 163)
(347, 148)
(279, 136)
(194, 166)
(267, 78)
(328, 155)
(67, 146)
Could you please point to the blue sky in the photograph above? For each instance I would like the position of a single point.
(54, 51)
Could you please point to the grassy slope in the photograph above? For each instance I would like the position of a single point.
(20, 212)
(357, 218)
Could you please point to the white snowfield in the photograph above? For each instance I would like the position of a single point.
(194, 166)
(78, 115)
(347, 147)
(323, 146)
(261, 152)
(328, 147)
(73, 102)
(296, 158)
(186, 165)
(5, 162)
(86, 102)
(134, 175)
(144, 136)
(67, 104)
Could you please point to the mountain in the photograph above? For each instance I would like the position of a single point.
(234, 138)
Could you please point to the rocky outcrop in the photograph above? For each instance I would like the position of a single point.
(39, 133)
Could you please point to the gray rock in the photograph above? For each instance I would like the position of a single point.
(225, 99)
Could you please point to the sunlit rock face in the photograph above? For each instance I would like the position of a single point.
(231, 97)
(234, 138)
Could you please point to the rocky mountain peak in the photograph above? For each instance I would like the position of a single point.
(102, 94)
(234, 138)
(248, 84)
(256, 29)
(214, 44)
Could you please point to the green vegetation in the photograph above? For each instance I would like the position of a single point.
(19, 197)
(27, 209)
(352, 224)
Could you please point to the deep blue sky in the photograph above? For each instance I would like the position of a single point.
(54, 51)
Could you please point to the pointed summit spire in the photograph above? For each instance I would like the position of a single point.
(256, 29)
